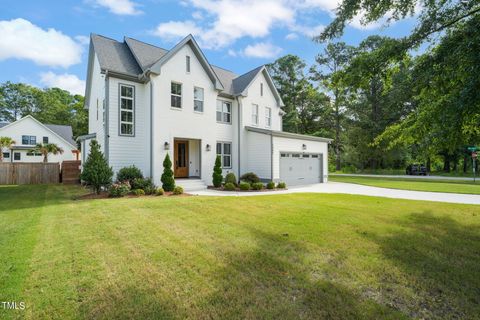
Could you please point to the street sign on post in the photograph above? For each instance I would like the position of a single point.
(473, 150)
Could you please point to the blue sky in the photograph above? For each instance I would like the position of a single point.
(45, 43)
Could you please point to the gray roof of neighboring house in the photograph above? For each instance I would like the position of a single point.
(63, 131)
(132, 57)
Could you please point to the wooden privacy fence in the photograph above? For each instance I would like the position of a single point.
(71, 171)
(29, 173)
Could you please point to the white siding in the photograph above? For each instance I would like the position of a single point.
(28, 126)
(125, 151)
(259, 154)
(97, 96)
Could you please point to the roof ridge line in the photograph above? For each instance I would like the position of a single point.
(149, 44)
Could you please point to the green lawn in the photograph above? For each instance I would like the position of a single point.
(298, 256)
(437, 185)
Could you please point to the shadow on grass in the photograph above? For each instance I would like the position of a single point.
(441, 262)
(273, 282)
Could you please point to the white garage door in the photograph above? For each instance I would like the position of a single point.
(298, 168)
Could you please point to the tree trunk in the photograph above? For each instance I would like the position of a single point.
(446, 163)
(465, 164)
(429, 165)
(338, 165)
(45, 158)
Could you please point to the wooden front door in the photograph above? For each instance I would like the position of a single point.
(181, 159)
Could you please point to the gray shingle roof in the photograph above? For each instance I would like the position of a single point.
(146, 54)
(132, 57)
(240, 84)
(63, 131)
(115, 56)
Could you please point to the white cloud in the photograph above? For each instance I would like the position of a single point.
(308, 31)
(262, 50)
(119, 7)
(83, 40)
(291, 36)
(232, 53)
(197, 15)
(69, 82)
(174, 30)
(23, 40)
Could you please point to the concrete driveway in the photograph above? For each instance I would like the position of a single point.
(349, 188)
(401, 176)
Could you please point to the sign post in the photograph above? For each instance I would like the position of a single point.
(473, 151)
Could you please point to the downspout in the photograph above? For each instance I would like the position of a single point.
(107, 116)
(239, 137)
(151, 129)
(271, 155)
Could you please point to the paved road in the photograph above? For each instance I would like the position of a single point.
(401, 176)
(350, 188)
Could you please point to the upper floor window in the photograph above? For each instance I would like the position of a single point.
(127, 109)
(176, 91)
(29, 140)
(45, 140)
(268, 117)
(187, 63)
(224, 150)
(255, 114)
(224, 111)
(198, 99)
(261, 89)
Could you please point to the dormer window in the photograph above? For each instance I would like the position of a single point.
(187, 63)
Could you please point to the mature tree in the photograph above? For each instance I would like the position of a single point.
(46, 149)
(96, 173)
(433, 16)
(16, 100)
(329, 72)
(5, 143)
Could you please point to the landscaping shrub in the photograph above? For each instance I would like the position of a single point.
(271, 185)
(129, 174)
(177, 190)
(250, 177)
(230, 178)
(138, 192)
(160, 191)
(257, 186)
(96, 173)
(229, 186)
(168, 182)
(146, 184)
(217, 177)
(281, 185)
(120, 189)
(244, 186)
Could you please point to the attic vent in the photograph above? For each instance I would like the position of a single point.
(187, 61)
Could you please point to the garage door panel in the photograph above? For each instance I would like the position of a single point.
(297, 169)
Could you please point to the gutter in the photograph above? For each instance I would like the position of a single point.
(271, 156)
(151, 129)
(239, 139)
(107, 109)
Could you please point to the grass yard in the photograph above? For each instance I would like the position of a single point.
(298, 256)
(437, 185)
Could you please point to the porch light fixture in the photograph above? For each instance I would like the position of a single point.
(208, 147)
(304, 146)
(166, 145)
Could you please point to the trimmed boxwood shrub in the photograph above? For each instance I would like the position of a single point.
(257, 186)
(177, 190)
(160, 191)
(129, 174)
(120, 189)
(281, 185)
(138, 192)
(146, 184)
(271, 185)
(229, 186)
(230, 178)
(244, 186)
(250, 177)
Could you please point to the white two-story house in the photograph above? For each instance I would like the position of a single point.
(145, 102)
(28, 131)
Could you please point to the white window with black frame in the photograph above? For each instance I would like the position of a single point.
(224, 150)
(127, 110)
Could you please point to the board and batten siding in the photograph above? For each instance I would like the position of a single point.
(96, 101)
(281, 144)
(124, 151)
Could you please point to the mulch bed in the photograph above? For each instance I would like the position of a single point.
(104, 195)
(239, 190)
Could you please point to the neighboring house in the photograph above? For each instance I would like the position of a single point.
(28, 131)
(145, 102)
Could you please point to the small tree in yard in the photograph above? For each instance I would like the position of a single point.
(7, 143)
(217, 173)
(46, 149)
(96, 172)
(168, 182)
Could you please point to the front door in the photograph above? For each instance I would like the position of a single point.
(181, 159)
